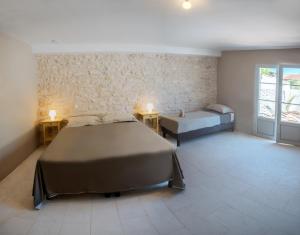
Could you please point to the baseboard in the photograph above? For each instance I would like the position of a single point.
(14, 153)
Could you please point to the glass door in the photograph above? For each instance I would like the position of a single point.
(266, 110)
(289, 105)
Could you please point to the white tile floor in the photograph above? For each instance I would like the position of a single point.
(235, 184)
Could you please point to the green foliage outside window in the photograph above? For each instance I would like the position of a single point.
(267, 72)
(295, 84)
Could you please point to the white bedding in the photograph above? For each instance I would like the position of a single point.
(98, 119)
(84, 120)
(191, 121)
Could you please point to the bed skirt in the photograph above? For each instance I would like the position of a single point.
(52, 180)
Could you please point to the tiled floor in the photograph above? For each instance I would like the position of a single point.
(235, 184)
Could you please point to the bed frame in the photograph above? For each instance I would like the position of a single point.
(196, 133)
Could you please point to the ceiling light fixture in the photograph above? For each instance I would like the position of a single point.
(186, 5)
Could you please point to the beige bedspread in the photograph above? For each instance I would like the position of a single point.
(105, 158)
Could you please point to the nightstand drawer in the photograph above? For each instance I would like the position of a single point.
(150, 116)
(49, 129)
(50, 124)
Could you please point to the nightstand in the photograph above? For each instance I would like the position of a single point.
(50, 129)
(152, 117)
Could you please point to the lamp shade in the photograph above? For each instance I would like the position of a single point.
(186, 5)
(52, 114)
(150, 107)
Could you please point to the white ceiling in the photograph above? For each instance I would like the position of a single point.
(210, 24)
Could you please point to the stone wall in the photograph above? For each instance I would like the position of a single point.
(114, 82)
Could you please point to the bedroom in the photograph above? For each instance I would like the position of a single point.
(220, 90)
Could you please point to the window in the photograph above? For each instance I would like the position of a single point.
(267, 92)
(278, 103)
(290, 107)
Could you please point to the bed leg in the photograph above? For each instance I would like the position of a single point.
(107, 195)
(178, 141)
(164, 134)
(117, 194)
(170, 183)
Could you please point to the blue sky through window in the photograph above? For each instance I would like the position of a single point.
(287, 71)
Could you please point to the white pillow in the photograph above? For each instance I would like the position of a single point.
(219, 108)
(82, 120)
(118, 117)
(100, 115)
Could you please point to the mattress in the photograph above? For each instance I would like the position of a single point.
(105, 158)
(195, 121)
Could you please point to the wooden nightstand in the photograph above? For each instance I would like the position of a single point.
(50, 129)
(152, 117)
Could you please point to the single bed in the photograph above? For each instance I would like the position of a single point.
(195, 124)
(105, 158)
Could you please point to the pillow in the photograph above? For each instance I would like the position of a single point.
(118, 117)
(100, 115)
(82, 120)
(219, 108)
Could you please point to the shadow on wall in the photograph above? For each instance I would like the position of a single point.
(14, 153)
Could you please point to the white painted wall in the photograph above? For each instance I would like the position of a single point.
(18, 101)
(236, 80)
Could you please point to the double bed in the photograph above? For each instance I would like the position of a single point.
(111, 157)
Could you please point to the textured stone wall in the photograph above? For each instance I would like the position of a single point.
(114, 82)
